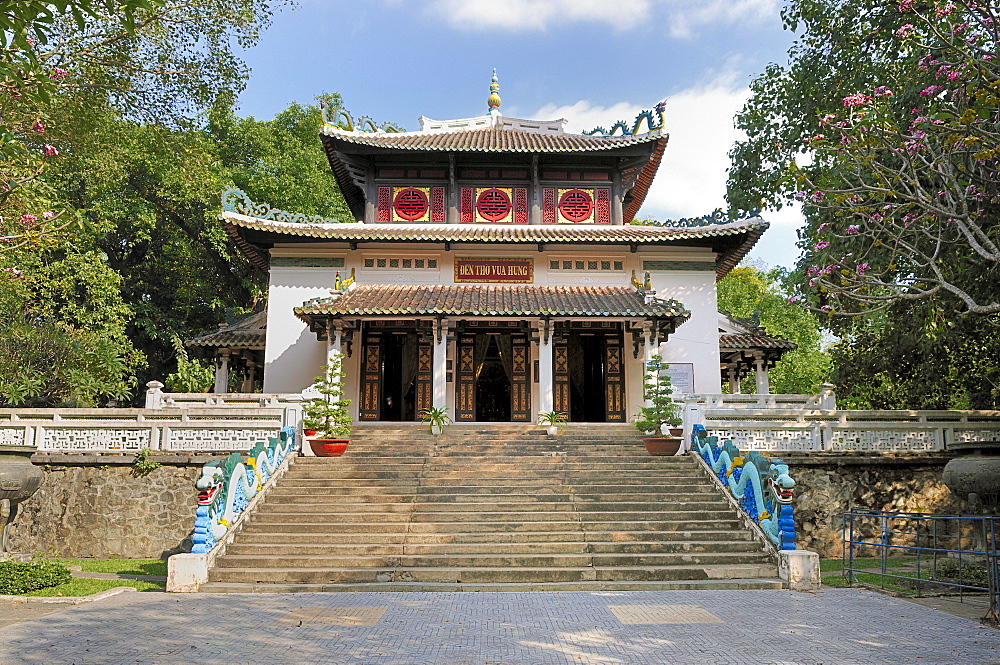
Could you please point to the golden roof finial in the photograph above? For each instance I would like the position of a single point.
(494, 98)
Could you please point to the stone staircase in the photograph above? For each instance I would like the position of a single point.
(493, 508)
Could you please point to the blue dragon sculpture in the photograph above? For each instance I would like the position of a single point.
(225, 487)
(647, 115)
(341, 118)
(760, 484)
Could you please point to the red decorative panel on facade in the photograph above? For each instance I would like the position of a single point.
(437, 205)
(493, 204)
(410, 204)
(466, 213)
(548, 205)
(576, 205)
(603, 206)
(520, 205)
(383, 212)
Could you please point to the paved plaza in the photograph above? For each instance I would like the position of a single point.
(831, 627)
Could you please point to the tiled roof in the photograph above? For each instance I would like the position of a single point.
(729, 341)
(488, 139)
(490, 300)
(734, 239)
(248, 333)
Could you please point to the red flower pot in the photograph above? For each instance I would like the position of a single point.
(662, 445)
(328, 447)
(309, 432)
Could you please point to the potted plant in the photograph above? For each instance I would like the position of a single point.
(327, 414)
(437, 418)
(662, 412)
(553, 419)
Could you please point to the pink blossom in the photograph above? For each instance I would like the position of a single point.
(883, 91)
(988, 57)
(840, 124)
(906, 6)
(800, 196)
(48, 214)
(814, 281)
(822, 227)
(930, 90)
(15, 272)
(39, 127)
(953, 76)
(904, 31)
(944, 11)
(821, 245)
(863, 268)
(14, 93)
(827, 118)
(58, 74)
(826, 308)
(857, 100)
(817, 196)
(794, 299)
(49, 150)
(28, 220)
(853, 229)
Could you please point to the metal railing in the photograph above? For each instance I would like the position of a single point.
(924, 554)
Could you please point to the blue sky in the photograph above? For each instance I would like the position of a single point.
(590, 61)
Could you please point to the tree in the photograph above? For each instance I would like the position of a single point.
(899, 108)
(748, 291)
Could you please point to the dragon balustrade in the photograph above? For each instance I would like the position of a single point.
(226, 487)
(761, 485)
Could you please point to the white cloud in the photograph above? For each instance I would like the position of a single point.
(683, 17)
(526, 15)
(691, 181)
(686, 16)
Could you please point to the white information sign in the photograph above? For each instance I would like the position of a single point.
(681, 378)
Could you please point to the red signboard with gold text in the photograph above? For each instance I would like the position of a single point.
(509, 271)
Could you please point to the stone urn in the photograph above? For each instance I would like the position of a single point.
(19, 479)
(975, 474)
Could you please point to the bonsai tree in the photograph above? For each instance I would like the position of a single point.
(328, 412)
(658, 392)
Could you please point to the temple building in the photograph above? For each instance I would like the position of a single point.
(493, 268)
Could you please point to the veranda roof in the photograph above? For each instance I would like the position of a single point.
(246, 333)
(760, 342)
(490, 300)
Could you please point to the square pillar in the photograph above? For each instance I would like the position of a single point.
(439, 382)
(763, 385)
(222, 374)
(546, 379)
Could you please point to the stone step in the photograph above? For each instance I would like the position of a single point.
(284, 512)
(476, 503)
(319, 524)
(624, 539)
(461, 575)
(509, 587)
(278, 551)
(414, 494)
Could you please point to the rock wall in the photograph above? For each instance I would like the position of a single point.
(103, 508)
(829, 484)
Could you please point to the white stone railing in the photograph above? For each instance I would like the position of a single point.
(157, 399)
(808, 430)
(827, 399)
(130, 430)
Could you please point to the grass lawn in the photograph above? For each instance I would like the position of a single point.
(87, 587)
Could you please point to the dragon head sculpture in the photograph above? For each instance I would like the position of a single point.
(208, 484)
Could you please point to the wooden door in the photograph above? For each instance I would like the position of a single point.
(614, 378)
(520, 380)
(370, 377)
(465, 402)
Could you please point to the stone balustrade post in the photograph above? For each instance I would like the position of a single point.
(828, 397)
(692, 415)
(154, 395)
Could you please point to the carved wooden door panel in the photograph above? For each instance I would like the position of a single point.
(520, 381)
(425, 395)
(370, 377)
(560, 371)
(614, 377)
(465, 387)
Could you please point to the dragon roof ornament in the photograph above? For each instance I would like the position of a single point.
(236, 200)
(718, 216)
(647, 115)
(343, 120)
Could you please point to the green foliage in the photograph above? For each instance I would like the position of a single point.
(119, 566)
(552, 418)
(192, 376)
(20, 578)
(328, 413)
(658, 391)
(81, 586)
(142, 465)
(747, 291)
(435, 417)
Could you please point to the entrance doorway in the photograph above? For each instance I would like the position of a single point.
(493, 385)
(396, 377)
(589, 375)
(494, 373)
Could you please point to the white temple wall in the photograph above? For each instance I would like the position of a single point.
(293, 355)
